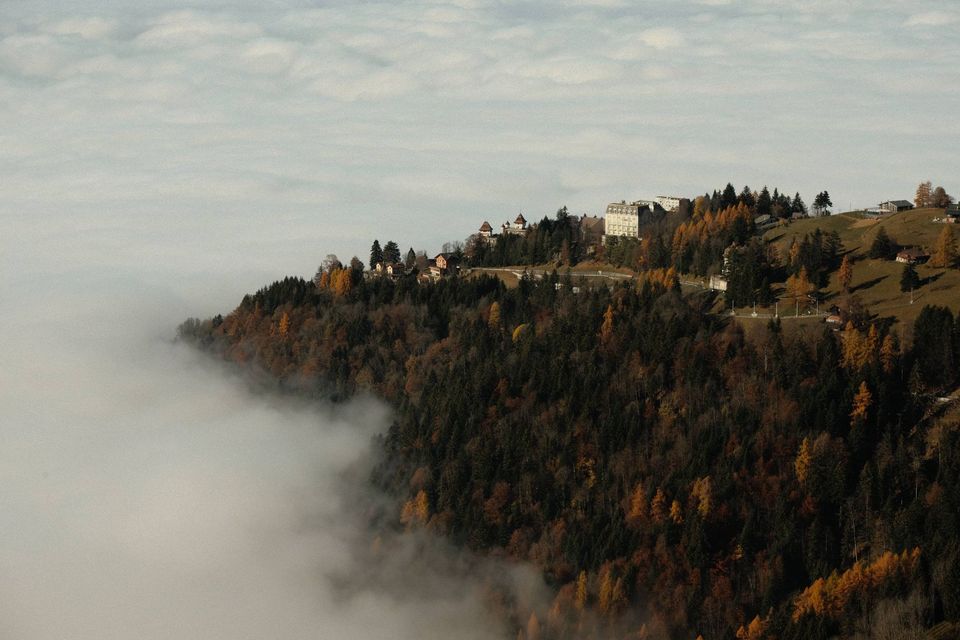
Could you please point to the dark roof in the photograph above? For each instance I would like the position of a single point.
(486, 226)
(592, 223)
(520, 220)
(899, 203)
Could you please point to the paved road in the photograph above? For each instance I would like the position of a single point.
(620, 277)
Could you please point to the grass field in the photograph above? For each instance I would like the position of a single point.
(877, 282)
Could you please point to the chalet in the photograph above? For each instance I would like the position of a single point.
(518, 228)
(912, 256)
(895, 206)
(591, 230)
(951, 215)
(445, 264)
(718, 283)
(766, 221)
(392, 269)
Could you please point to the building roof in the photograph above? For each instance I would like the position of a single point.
(591, 223)
(486, 226)
(520, 219)
(899, 203)
(912, 252)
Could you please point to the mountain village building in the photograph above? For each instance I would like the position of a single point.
(669, 203)
(518, 228)
(623, 220)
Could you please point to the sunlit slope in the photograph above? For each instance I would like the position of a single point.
(877, 282)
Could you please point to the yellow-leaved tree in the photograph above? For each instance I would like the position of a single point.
(945, 251)
(493, 319)
(799, 285)
(861, 405)
(802, 463)
(676, 513)
(416, 510)
(846, 273)
(581, 597)
(637, 509)
(658, 506)
(703, 491)
(606, 329)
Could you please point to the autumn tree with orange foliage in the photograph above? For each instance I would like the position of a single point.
(861, 405)
(830, 597)
(845, 275)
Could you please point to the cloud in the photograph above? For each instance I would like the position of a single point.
(147, 493)
(309, 113)
(92, 28)
(268, 56)
(932, 19)
(190, 29)
(32, 55)
(662, 38)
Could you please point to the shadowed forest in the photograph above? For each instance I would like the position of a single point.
(669, 477)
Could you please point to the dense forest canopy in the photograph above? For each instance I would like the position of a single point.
(669, 476)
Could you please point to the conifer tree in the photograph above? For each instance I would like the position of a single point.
(798, 206)
(676, 513)
(861, 404)
(802, 462)
(581, 595)
(945, 251)
(883, 247)
(923, 195)
(846, 273)
(376, 254)
(391, 252)
(909, 280)
(658, 506)
(493, 318)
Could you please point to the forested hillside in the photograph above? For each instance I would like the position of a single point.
(669, 477)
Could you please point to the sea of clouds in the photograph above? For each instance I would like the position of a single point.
(326, 123)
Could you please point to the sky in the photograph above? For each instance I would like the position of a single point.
(159, 159)
(225, 134)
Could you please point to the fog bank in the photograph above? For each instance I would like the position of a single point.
(145, 493)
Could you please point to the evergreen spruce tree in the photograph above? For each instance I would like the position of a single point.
(883, 246)
(909, 280)
(376, 254)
